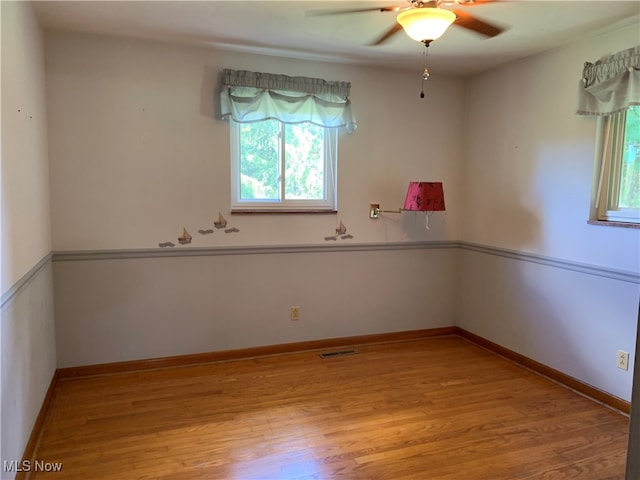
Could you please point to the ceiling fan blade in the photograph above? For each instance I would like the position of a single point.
(388, 34)
(320, 13)
(474, 24)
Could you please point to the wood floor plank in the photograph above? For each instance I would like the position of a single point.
(435, 408)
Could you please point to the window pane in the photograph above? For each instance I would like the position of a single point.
(304, 162)
(259, 164)
(630, 167)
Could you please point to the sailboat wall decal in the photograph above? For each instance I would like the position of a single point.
(341, 231)
(185, 238)
(221, 222)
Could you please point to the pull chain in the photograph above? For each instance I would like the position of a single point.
(425, 71)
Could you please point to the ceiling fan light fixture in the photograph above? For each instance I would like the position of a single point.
(426, 23)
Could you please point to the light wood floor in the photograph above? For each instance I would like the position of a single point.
(438, 408)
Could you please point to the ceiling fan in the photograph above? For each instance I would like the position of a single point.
(426, 21)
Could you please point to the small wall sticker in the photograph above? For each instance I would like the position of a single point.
(341, 231)
(185, 238)
(221, 222)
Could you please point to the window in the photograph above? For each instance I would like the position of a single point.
(618, 190)
(610, 89)
(284, 140)
(282, 167)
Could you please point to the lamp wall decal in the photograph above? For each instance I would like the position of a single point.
(421, 197)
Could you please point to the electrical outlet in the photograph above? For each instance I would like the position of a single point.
(295, 313)
(623, 360)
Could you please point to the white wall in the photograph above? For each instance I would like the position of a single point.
(26, 236)
(528, 177)
(28, 361)
(137, 150)
(530, 160)
(633, 450)
(110, 310)
(28, 338)
(571, 321)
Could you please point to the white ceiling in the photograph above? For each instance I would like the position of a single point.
(285, 28)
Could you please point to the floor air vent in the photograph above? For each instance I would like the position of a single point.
(340, 353)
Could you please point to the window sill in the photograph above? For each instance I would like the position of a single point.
(278, 211)
(607, 223)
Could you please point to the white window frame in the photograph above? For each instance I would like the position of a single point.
(326, 204)
(609, 143)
